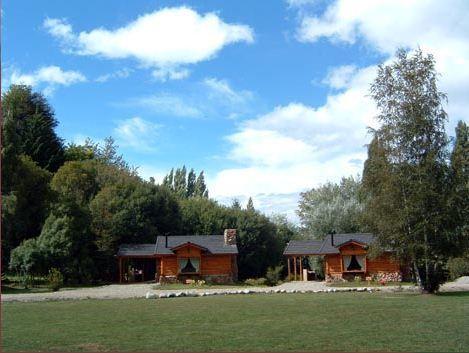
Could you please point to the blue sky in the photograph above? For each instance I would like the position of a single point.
(268, 100)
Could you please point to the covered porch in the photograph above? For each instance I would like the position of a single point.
(137, 268)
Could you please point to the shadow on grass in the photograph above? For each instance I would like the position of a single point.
(454, 294)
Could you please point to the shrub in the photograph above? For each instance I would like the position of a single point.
(272, 275)
(55, 279)
(457, 267)
(256, 281)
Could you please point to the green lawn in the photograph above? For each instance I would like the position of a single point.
(274, 322)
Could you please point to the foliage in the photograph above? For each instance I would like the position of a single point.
(25, 207)
(185, 184)
(458, 266)
(317, 264)
(55, 279)
(255, 282)
(405, 176)
(331, 207)
(28, 128)
(28, 258)
(272, 276)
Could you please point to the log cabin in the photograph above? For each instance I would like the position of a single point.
(181, 258)
(345, 257)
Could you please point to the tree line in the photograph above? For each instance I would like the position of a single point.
(70, 206)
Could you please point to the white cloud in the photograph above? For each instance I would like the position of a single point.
(137, 133)
(50, 75)
(222, 89)
(121, 73)
(164, 39)
(438, 27)
(340, 77)
(208, 98)
(166, 103)
(168, 73)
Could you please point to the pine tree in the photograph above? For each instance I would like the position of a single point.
(250, 205)
(235, 204)
(191, 179)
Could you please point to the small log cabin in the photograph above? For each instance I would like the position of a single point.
(179, 258)
(345, 257)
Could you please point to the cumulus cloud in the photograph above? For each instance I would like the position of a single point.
(137, 133)
(164, 39)
(52, 76)
(48, 74)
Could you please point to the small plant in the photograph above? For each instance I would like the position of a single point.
(272, 275)
(357, 279)
(457, 267)
(255, 281)
(55, 279)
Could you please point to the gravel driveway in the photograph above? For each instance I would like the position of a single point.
(121, 291)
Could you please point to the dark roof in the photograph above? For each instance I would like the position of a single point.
(302, 247)
(136, 250)
(321, 247)
(214, 244)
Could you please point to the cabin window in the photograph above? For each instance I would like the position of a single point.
(354, 262)
(189, 265)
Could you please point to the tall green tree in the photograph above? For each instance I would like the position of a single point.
(200, 186)
(180, 182)
(331, 207)
(29, 128)
(250, 205)
(406, 175)
(191, 178)
(458, 207)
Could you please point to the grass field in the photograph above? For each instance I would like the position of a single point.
(274, 322)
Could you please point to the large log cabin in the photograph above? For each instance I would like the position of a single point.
(179, 258)
(345, 257)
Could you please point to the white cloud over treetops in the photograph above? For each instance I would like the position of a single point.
(137, 133)
(165, 39)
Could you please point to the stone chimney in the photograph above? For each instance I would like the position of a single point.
(230, 236)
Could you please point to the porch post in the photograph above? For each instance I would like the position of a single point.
(120, 269)
(301, 268)
(294, 264)
(288, 263)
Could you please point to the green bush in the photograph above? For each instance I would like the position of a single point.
(55, 279)
(272, 275)
(256, 281)
(317, 264)
(457, 267)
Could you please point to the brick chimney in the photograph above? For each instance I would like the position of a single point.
(230, 236)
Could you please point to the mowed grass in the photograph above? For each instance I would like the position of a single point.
(273, 322)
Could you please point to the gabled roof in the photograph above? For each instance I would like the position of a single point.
(214, 244)
(322, 247)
